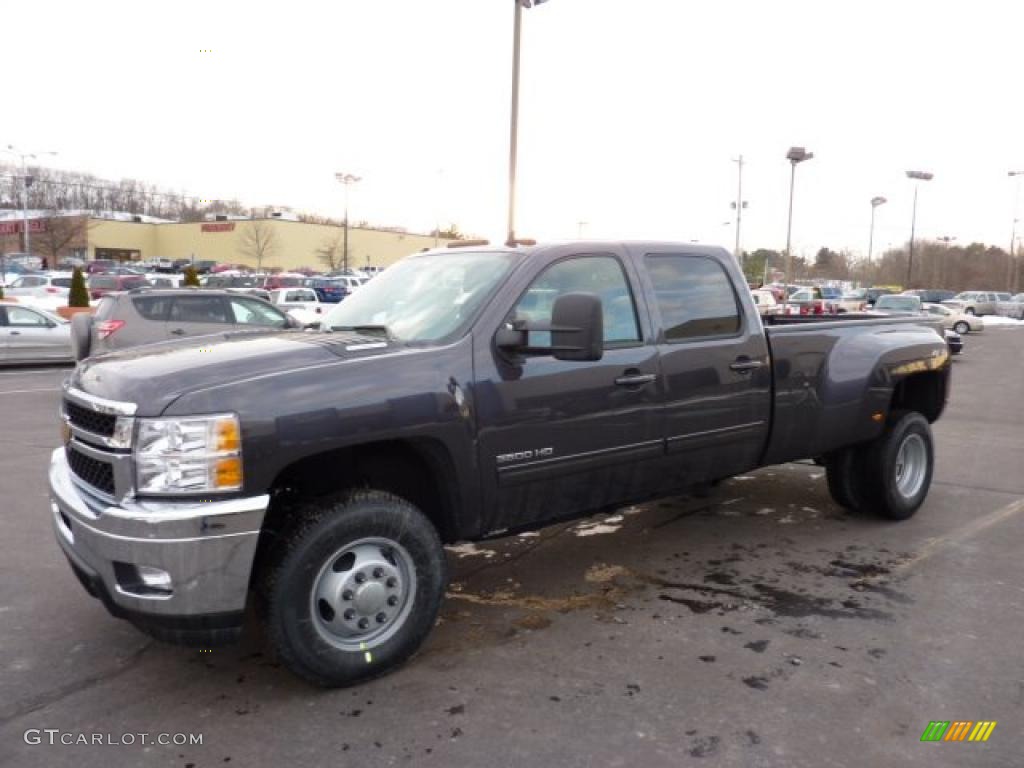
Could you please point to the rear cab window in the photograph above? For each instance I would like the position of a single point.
(694, 296)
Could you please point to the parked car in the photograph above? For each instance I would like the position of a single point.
(459, 396)
(284, 280)
(765, 301)
(147, 316)
(11, 272)
(236, 283)
(27, 260)
(973, 302)
(809, 301)
(954, 341)
(898, 304)
(106, 282)
(179, 265)
(41, 286)
(164, 280)
(297, 298)
(1007, 306)
(204, 266)
(328, 289)
(98, 266)
(32, 335)
(351, 282)
(930, 295)
(956, 321)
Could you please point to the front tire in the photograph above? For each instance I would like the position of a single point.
(353, 588)
(970, 311)
(896, 469)
(962, 328)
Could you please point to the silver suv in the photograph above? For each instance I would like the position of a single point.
(147, 316)
(974, 303)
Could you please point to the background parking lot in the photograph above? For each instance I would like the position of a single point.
(761, 626)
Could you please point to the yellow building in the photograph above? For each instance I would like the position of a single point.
(264, 243)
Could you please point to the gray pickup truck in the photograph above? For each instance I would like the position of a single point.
(463, 394)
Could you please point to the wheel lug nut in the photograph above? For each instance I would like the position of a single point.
(360, 577)
(347, 595)
(364, 623)
(392, 582)
(378, 573)
(349, 615)
(381, 618)
(393, 600)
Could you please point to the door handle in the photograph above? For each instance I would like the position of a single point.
(746, 365)
(15, 333)
(178, 332)
(634, 378)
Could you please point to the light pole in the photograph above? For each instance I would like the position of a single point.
(739, 205)
(24, 187)
(943, 261)
(348, 180)
(918, 176)
(796, 155)
(875, 202)
(1015, 175)
(513, 143)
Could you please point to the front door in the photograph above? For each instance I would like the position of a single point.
(561, 438)
(31, 336)
(714, 358)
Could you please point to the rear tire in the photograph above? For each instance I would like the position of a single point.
(843, 473)
(896, 469)
(962, 328)
(353, 588)
(81, 335)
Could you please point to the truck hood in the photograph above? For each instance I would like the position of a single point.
(155, 375)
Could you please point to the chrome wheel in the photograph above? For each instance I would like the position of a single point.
(962, 328)
(911, 466)
(363, 594)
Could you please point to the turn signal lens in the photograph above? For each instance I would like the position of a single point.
(228, 437)
(228, 474)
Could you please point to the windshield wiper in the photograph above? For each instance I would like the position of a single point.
(382, 329)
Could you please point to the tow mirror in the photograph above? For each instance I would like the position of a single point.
(576, 328)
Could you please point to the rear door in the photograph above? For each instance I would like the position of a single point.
(196, 316)
(715, 364)
(560, 438)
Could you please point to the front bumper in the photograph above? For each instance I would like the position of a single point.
(205, 548)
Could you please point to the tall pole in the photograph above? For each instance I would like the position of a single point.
(1013, 234)
(910, 255)
(514, 125)
(789, 235)
(871, 234)
(24, 203)
(739, 209)
(348, 180)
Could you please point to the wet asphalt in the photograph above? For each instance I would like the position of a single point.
(759, 627)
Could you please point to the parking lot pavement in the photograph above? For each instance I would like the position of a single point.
(759, 627)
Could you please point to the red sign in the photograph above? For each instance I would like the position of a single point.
(16, 228)
(220, 226)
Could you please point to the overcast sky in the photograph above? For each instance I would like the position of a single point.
(631, 110)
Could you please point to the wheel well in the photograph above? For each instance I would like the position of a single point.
(420, 471)
(922, 392)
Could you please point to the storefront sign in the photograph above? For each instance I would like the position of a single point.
(16, 228)
(220, 226)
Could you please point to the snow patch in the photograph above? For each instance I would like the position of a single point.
(469, 549)
(765, 511)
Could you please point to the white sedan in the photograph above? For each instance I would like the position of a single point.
(32, 335)
(41, 286)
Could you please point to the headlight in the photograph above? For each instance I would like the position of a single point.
(200, 454)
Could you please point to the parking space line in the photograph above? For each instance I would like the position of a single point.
(24, 391)
(942, 543)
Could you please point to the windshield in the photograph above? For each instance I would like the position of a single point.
(423, 298)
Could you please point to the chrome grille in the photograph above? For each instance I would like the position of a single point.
(98, 474)
(90, 420)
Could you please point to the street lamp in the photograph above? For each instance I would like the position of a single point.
(796, 155)
(875, 202)
(918, 176)
(348, 180)
(11, 149)
(738, 206)
(513, 143)
(1013, 236)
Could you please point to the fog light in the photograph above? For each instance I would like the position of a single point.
(154, 578)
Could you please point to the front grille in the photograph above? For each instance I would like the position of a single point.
(90, 420)
(98, 474)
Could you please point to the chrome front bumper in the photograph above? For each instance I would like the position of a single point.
(205, 548)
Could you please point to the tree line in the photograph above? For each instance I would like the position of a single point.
(936, 264)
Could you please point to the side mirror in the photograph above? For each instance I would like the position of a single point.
(576, 328)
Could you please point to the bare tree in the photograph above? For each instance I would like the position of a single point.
(61, 233)
(259, 241)
(331, 253)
